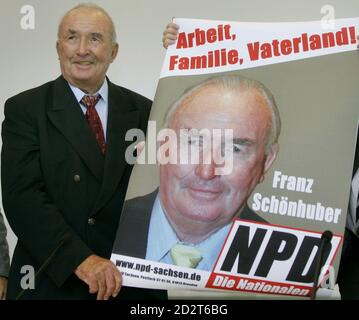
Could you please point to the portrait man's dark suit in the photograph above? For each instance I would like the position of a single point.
(62, 197)
(131, 238)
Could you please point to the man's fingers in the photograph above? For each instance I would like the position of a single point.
(93, 286)
(110, 283)
(167, 42)
(169, 36)
(118, 280)
(172, 26)
(170, 32)
(101, 287)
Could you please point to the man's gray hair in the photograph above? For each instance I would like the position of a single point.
(234, 83)
(95, 7)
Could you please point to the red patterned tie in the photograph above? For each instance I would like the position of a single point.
(94, 120)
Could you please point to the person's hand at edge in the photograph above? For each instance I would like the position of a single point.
(170, 34)
(3, 286)
(101, 275)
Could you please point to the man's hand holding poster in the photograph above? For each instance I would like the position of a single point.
(247, 161)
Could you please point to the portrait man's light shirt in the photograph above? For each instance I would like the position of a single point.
(161, 238)
(101, 106)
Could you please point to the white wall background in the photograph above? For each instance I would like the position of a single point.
(28, 57)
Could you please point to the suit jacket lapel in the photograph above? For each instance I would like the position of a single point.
(67, 116)
(122, 116)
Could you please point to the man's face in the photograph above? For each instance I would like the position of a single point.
(85, 48)
(198, 200)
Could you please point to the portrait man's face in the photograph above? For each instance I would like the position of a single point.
(198, 201)
(85, 47)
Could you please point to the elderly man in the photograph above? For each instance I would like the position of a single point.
(64, 174)
(196, 202)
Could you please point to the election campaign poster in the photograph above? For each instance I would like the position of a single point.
(242, 180)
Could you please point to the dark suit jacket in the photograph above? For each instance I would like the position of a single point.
(131, 238)
(59, 191)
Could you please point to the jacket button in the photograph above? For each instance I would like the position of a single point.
(77, 178)
(91, 221)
